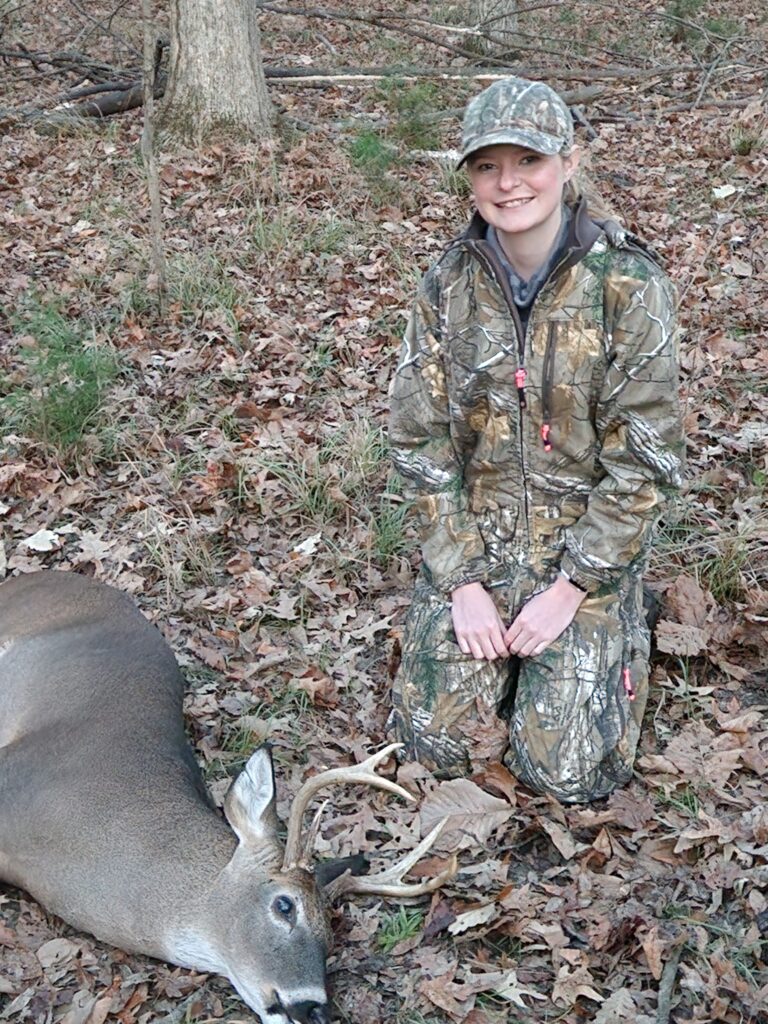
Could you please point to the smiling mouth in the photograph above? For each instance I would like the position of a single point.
(512, 204)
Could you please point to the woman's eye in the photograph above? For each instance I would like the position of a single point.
(284, 906)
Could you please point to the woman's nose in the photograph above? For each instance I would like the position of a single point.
(508, 178)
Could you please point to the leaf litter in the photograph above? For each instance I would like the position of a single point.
(238, 488)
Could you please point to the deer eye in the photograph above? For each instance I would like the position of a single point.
(284, 906)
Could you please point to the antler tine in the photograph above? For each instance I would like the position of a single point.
(389, 882)
(364, 772)
(309, 838)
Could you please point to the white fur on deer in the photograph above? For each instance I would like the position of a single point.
(104, 817)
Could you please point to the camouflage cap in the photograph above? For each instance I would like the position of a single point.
(514, 110)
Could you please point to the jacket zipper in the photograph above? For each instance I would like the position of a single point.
(547, 383)
(500, 277)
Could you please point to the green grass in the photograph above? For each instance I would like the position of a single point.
(277, 228)
(201, 284)
(397, 927)
(685, 800)
(389, 537)
(307, 490)
(67, 373)
(370, 154)
(180, 550)
(361, 446)
(413, 107)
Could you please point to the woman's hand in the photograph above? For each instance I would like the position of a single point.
(542, 619)
(476, 622)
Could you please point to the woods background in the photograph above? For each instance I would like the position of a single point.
(202, 425)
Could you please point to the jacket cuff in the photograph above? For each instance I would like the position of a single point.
(589, 584)
(476, 572)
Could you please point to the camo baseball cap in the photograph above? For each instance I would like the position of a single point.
(514, 110)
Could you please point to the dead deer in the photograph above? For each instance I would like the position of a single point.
(106, 821)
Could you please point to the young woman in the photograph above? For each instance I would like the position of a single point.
(535, 420)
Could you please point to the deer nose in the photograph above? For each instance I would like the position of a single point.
(309, 1013)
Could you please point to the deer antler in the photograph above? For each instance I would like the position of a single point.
(389, 882)
(364, 772)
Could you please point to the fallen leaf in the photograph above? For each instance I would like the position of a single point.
(511, 989)
(473, 815)
(57, 952)
(619, 1006)
(496, 776)
(309, 545)
(569, 985)
(43, 540)
(473, 918)
(679, 638)
(653, 947)
(561, 837)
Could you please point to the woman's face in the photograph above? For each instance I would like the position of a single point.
(519, 191)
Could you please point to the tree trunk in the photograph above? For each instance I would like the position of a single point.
(216, 79)
(497, 18)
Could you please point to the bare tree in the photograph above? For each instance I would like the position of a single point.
(216, 79)
(498, 19)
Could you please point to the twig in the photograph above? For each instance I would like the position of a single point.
(666, 985)
(710, 72)
(580, 117)
(152, 56)
(104, 28)
(328, 44)
(384, 21)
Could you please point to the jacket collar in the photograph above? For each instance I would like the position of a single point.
(583, 232)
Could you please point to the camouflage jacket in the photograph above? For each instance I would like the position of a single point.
(567, 429)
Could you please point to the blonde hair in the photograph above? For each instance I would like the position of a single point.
(581, 186)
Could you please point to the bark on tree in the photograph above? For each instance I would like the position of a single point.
(499, 19)
(216, 80)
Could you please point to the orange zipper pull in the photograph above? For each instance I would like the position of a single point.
(545, 428)
(520, 377)
(628, 684)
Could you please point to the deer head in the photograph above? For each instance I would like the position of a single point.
(264, 923)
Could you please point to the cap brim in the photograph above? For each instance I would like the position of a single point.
(539, 142)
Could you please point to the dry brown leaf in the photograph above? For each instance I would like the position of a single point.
(498, 777)
(688, 602)
(619, 1006)
(473, 918)
(443, 993)
(709, 828)
(654, 948)
(512, 990)
(561, 837)
(569, 985)
(473, 815)
(57, 952)
(677, 638)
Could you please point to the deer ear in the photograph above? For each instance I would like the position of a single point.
(250, 802)
(327, 870)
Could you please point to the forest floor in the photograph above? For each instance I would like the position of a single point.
(224, 462)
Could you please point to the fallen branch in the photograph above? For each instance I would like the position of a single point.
(384, 21)
(474, 73)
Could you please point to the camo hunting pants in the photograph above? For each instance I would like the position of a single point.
(565, 722)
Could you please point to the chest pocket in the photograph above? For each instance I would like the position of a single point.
(573, 368)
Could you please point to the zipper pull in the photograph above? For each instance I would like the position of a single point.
(545, 428)
(628, 683)
(520, 376)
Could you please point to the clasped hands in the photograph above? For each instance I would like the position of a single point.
(481, 632)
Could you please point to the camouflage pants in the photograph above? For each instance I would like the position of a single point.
(562, 721)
